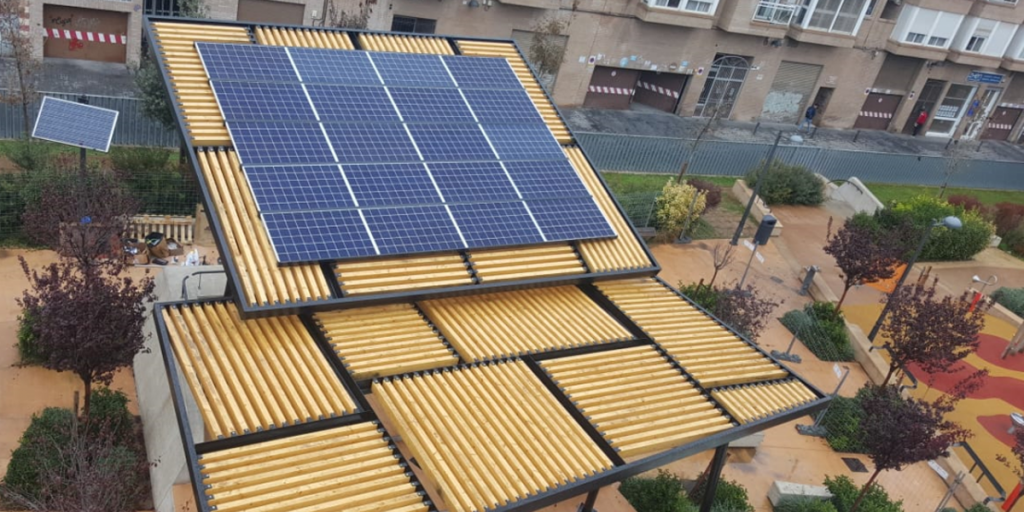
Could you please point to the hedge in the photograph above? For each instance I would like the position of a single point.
(663, 493)
(1010, 298)
(821, 329)
(845, 492)
(786, 184)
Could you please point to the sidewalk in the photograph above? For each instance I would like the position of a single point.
(644, 122)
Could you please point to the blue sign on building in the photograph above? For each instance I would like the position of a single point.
(985, 78)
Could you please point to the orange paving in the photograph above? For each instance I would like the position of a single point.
(987, 412)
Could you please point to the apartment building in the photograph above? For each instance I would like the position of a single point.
(869, 64)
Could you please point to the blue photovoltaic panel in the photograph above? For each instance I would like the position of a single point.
(246, 62)
(334, 67)
(303, 187)
(496, 106)
(471, 182)
(408, 69)
(412, 229)
(391, 184)
(451, 142)
(570, 219)
(280, 143)
(431, 104)
(371, 143)
(552, 179)
(477, 72)
(493, 224)
(258, 101)
(352, 103)
(75, 124)
(316, 236)
(524, 141)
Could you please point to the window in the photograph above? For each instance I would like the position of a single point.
(975, 44)
(841, 16)
(414, 25)
(913, 37)
(8, 24)
(779, 12)
(699, 6)
(937, 41)
(163, 8)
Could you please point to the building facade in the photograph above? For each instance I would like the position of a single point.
(868, 64)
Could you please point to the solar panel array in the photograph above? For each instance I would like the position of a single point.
(352, 154)
(75, 124)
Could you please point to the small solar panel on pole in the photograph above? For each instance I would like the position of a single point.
(75, 124)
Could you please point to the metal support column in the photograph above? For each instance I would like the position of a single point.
(711, 485)
(588, 504)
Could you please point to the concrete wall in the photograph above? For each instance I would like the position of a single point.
(160, 425)
(858, 196)
(741, 192)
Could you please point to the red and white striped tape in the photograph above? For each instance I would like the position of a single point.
(997, 126)
(610, 90)
(883, 115)
(59, 33)
(660, 90)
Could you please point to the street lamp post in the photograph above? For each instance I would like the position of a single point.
(950, 222)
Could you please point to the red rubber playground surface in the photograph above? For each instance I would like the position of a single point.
(987, 411)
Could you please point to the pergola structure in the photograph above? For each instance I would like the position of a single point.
(480, 379)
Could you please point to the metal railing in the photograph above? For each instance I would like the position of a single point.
(665, 155)
(999, 494)
(133, 127)
(776, 12)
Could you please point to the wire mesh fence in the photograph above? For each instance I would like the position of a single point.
(639, 207)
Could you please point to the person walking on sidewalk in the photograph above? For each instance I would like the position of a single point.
(922, 118)
(808, 118)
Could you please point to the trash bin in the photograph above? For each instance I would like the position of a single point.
(157, 244)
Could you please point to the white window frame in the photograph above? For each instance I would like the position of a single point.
(684, 4)
(906, 39)
(930, 35)
(811, 5)
(777, 12)
(975, 44)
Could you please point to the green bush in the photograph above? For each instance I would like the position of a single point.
(705, 296)
(109, 409)
(1013, 241)
(943, 244)
(1010, 298)
(29, 352)
(804, 505)
(786, 184)
(842, 425)
(845, 492)
(38, 447)
(160, 185)
(663, 493)
(822, 330)
(729, 496)
(978, 507)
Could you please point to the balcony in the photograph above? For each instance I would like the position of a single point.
(776, 13)
(918, 51)
(953, 6)
(536, 4)
(1010, 12)
(973, 59)
(670, 13)
(767, 18)
(1016, 65)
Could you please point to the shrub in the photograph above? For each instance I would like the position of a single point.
(842, 424)
(820, 327)
(705, 296)
(38, 447)
(943, 244)
(29, 352)
(787, 184)
(742, 309)
(1008, 217)
(968, 203)
(978, 507)
(713, 193)
(673, 207)
(1014, 241)
(663, 493)
(109, 409)
(794, 504)
(31, 155)
(729, 496)
(845, 492)
(160, 185)
(1010, 298)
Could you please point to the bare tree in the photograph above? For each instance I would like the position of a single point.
(721, 257)
(547, 47)
(956, 156)
(340, 18)
(714, 113)
(20, 76)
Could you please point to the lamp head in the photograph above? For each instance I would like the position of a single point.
(474, 3)
(952, 222)
(976, 279)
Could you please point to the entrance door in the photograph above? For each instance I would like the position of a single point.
(929, 97)
(722, 87)
(877, 112)
(791, 92)
(1001, 123)
(951, 110)
(979, 118)
(611, 88)
(659, 90)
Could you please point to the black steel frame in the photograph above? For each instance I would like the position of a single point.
(339, 300)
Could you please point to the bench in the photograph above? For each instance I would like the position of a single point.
(180, 228)
(788, 490)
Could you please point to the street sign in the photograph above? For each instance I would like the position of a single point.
(748, 244)
(985, 78)
(938, 469)
(759, 257)
(837, 371)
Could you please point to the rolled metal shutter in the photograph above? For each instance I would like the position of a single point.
(790, 92)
